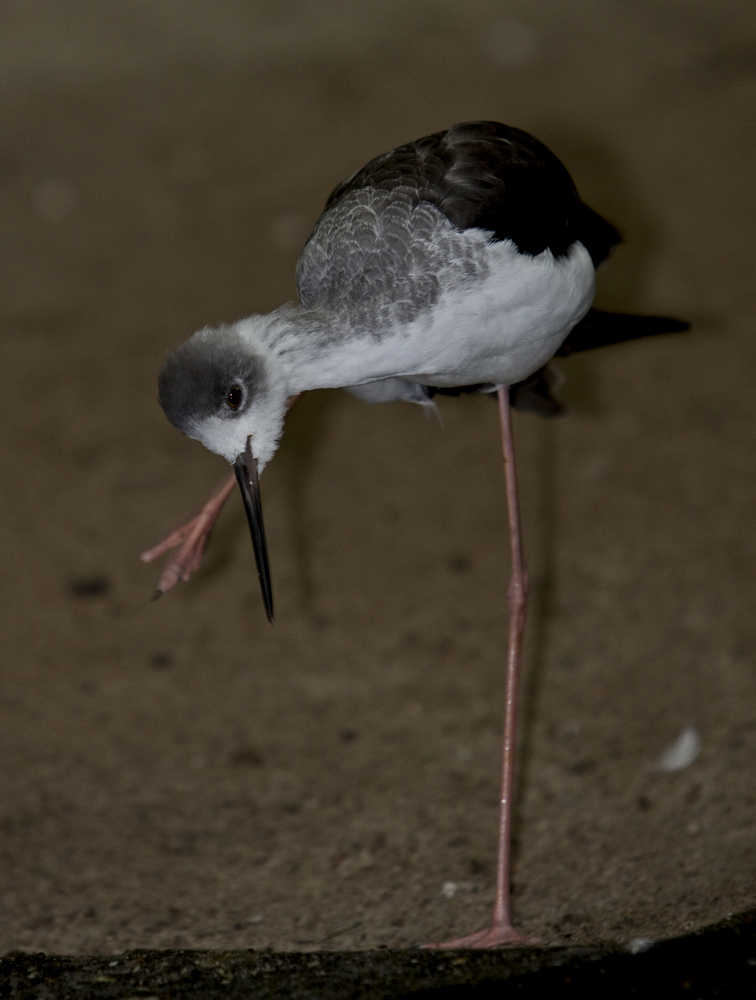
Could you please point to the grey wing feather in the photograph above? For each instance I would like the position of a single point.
(385, 258)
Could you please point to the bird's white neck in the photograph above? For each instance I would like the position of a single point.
(313, 348)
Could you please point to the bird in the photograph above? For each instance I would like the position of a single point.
(461, 262)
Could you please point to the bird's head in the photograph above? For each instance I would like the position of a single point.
(220, 388)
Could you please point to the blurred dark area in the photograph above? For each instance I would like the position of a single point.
(181, 775)
(711, 962)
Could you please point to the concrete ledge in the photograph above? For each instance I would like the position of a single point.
(717, 961)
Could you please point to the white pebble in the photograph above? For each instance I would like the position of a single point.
(682, 752)
(639, 945)
(449, 890)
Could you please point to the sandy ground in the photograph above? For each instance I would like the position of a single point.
(180, 774)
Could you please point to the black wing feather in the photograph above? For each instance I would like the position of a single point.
(600, 329)
(490, 176)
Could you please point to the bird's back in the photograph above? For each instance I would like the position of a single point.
(490, 176)
(441, 243)
(394, 232)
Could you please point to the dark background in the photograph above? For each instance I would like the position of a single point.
(182, 775)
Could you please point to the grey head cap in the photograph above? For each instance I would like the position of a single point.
(204, 387)
(213, 374)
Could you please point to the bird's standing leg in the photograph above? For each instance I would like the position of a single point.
(501, 931)
(193, 536)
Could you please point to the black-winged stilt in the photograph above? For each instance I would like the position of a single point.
(463, 261)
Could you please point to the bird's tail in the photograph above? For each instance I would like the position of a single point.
(600, 329)
(539, 393)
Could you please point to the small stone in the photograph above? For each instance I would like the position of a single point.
(682, 752)
(638, 945)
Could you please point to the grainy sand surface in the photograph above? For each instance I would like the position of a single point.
(180, 774)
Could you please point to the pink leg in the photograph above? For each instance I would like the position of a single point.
(501, 931)
(192, 538)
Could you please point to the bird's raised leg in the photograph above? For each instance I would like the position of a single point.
(501, 931)
(192, 538)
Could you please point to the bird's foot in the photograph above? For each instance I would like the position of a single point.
(496, 936)
(190, 539)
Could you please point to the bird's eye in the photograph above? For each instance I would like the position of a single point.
(234, 397)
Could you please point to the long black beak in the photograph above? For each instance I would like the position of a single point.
(245, 468)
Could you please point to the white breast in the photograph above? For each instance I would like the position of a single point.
(499, 328)
(507, 327)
